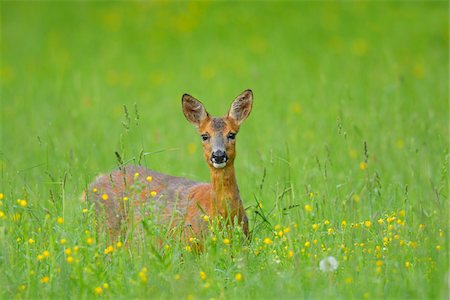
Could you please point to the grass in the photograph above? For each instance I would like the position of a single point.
(345, 153)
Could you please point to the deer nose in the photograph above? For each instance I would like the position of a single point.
(219, 157)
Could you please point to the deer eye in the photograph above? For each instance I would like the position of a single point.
(231, 136)
(205, 137)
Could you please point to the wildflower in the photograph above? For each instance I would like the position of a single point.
(438, 247)
(290, 253)
(206, 218)
(90, 241)
(167, 247)
(40, 257)
(76, 248)
(45, 279)
(401, 213)
(308, 208)
(177, 277)
(344, 223)
(315, 227)
(328, 264)
(69, 259)
(46, 253)
(380, 221)
(307, 244)
(363, 165)
(202, 275)
(277, 227)
(368, 224)
(287, 230)
(22, 203)
(407, 264)
(60, 220)
(379, 263)
(188, 248)
(2, 215)
(330, 231)
(2, 196)
(153, 193)
(280, 233)
(68, 251)
(98, 290)
(136, 175)
(109, 249)
(238, 277)
(85, 210)
(226, 241)
(105, 286)
(63, 241)
(143, 275)
(326, 222)
(267, 241)
(30, 241)
(149, 178)
(348, 280)
(105, 197)
(421, 226)
(119, 244)
(356, 198)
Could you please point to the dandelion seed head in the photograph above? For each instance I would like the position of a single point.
(328, 264)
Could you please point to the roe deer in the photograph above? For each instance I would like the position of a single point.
(133, 193)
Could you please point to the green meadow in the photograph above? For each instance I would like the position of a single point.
(344, 155)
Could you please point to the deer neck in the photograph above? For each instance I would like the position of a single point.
(224, 185)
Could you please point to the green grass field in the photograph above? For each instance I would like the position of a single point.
(345, 153)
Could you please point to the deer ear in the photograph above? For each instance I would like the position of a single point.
(193, 110)
(241, 107)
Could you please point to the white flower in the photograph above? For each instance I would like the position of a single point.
(328, 264)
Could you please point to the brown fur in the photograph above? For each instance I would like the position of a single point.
(179, 203)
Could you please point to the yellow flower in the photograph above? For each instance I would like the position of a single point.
(89, 241)
(363, 165)
(109, 249)
(46, 253)
(315, 226)
(143, 275)
(290, 253)
(407, 264)
(238, 277)
(344, 223)
(356, 198)
(202, 275)
(421, 226)
(307, 244)
(45, 279)
(379, 263)
(308, 208)
(367, 224)
(380, 221)
(105, 197)
(267, 241)
(125, 198)
(105, 286)
(438, 247)
(226, 241)
(136, 175)
(188, 248)
(348, 280)
(94, 190)
(280, 233)
(85, 210)
(119, 245)
(69, 259)
(206, 218)
(2, 196)
(40, 257)
(63, 241)
(149, 178)
(286, 230)
(98, 290)
(68, 251)
(60, 220)
(30, 241)
(153, 193)
(22, 203)
(76, 248)
(277, 227)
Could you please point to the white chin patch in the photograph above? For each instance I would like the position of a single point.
(219, 166)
